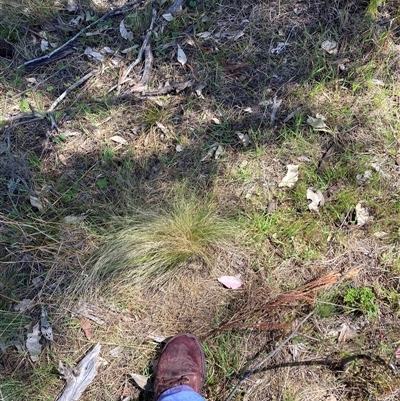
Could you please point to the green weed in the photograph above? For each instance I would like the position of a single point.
(362, 299)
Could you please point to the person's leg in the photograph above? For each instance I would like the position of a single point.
(180, 393)
(180, 370)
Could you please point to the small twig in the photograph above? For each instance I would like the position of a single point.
(70, 89)
(141, 51)
(268, 357)
(115, 11)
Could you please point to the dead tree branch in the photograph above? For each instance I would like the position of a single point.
(141, 51)
(63, 50)
(148, 63)
(79, 378)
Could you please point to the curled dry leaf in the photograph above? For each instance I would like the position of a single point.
(244, 138)
(346, 333)
(168, 17)
(330, 46)
(316, 198)
(317, 122)
(199, 89)
(44, 45)
(119, 139)
(361, 178)
(35, 202)
(142, 381)
(218, 152)
(124, 32)
(211, 152)
(95, 55)
(32, 343)
(230, 282)
(291, 176)
(362, 215)
(86, 327)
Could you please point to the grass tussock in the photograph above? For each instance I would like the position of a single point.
(152, 245)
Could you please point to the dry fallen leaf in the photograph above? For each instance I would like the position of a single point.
(156, 338)
(86, 327)
(181, 56)
(142, 381)
(230, 282)
(211, 152)
(316, 198)
(244, 138)
(96, 55)
(115, 352)
(71, 6)
(119, 139)
(380, 234)
(330, 46)
(35, 202)
(199, 89)
(362, 215)
(124, 32)
(32, 343)
(71, 219)
(346, 333)
(168, 17)
(24, 305)
(44, 45)
(291, 176)
(317, 122)
(218, 152)
(361, 178)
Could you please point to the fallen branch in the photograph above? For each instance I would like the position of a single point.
(59, 52)
(148, 63)
(141, 51)
(268, 357)
(80, 377)
(68, 90)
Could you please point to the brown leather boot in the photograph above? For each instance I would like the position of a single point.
(181, 362)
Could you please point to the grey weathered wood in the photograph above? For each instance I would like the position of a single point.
(80, 377)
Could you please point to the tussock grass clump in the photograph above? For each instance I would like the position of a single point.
(152, 245)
